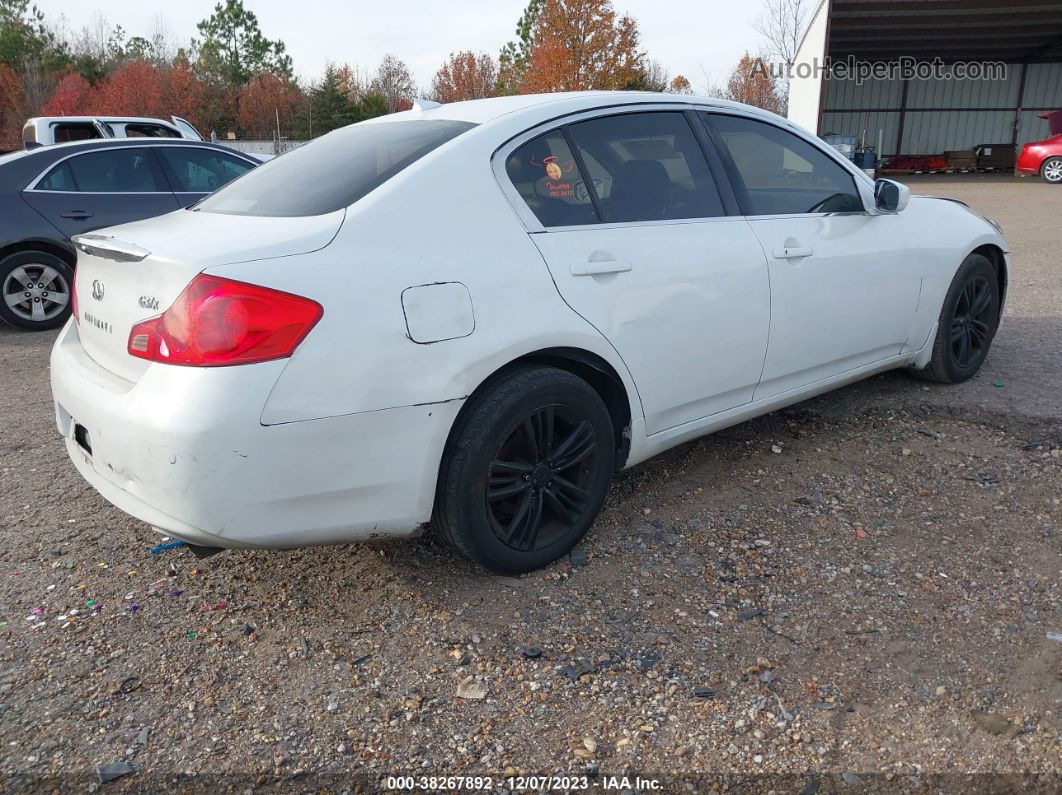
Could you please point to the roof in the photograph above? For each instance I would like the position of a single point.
(991, 30)
(479, 111)
(49, 119)
(58, 150)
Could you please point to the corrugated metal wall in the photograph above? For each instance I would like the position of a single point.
(1043, 86)
(943, 114)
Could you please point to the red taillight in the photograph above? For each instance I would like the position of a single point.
(217, 322)
(73, 299)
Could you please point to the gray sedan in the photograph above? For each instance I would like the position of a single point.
(49, 194)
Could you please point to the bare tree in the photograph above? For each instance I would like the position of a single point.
(782, 24)
(394, 82)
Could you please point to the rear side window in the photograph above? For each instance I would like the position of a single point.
(65, 133)
(333, 171)
(126, 170)
(199, 170)
(782, 173)
(647, 167)
(58, 179)
(547, 178)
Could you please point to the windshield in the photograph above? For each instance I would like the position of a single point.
(333, 171)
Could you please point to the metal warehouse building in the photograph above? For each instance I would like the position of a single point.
(930, 114)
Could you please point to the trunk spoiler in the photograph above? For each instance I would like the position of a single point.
(109, 247)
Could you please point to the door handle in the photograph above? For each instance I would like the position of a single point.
(77, 215)
(793, 252)
(594, 268)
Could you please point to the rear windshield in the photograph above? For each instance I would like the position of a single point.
(333, 171)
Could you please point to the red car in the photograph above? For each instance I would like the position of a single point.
(1043, 158)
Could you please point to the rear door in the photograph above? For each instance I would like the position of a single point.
(196, 171)
(632, 223)
(101, 187)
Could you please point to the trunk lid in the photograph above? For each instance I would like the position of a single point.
(131, 272)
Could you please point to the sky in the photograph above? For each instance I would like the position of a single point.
(701, 39)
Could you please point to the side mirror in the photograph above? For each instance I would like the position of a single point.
(890, 196)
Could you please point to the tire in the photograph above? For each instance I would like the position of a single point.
(1051, 170)
(975, 286)
(43, 283)
(526, 470)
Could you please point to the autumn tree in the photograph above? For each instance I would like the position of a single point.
(72, 97)
(465, 75)
(266, 101)
(752, 83)
(577, 45)
(133, 90)
(516, 55)
(181, 93)
(394, 82)
(680, 85)
(13, 110)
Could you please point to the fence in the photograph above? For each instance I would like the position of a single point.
(262, 147)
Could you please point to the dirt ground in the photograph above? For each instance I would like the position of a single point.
(870, 609)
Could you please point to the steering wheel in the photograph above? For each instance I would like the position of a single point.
(821, 206)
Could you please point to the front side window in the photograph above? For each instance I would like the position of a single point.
(783, 174)
(333, 171)
(127, 170)
(200, 170)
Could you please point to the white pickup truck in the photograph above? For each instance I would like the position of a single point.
(47, 130)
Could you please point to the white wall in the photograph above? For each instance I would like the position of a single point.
(806, 85)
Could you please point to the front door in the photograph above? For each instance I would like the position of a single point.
(844, 282)
(643, 250)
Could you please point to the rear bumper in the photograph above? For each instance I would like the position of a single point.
(1028, 165)
(184, 451)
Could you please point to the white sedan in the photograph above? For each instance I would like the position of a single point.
(472, 315)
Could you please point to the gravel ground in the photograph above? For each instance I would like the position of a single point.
(870, 608)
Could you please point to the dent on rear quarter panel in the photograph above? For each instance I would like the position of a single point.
(366, 353)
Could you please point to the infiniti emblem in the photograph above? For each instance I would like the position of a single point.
(97, 289)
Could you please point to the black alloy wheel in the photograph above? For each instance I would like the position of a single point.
(526, 469)
(972, 322)
(539, 484)
(967, 323)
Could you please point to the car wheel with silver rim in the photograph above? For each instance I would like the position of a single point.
(35, 290)
(1052, 170)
